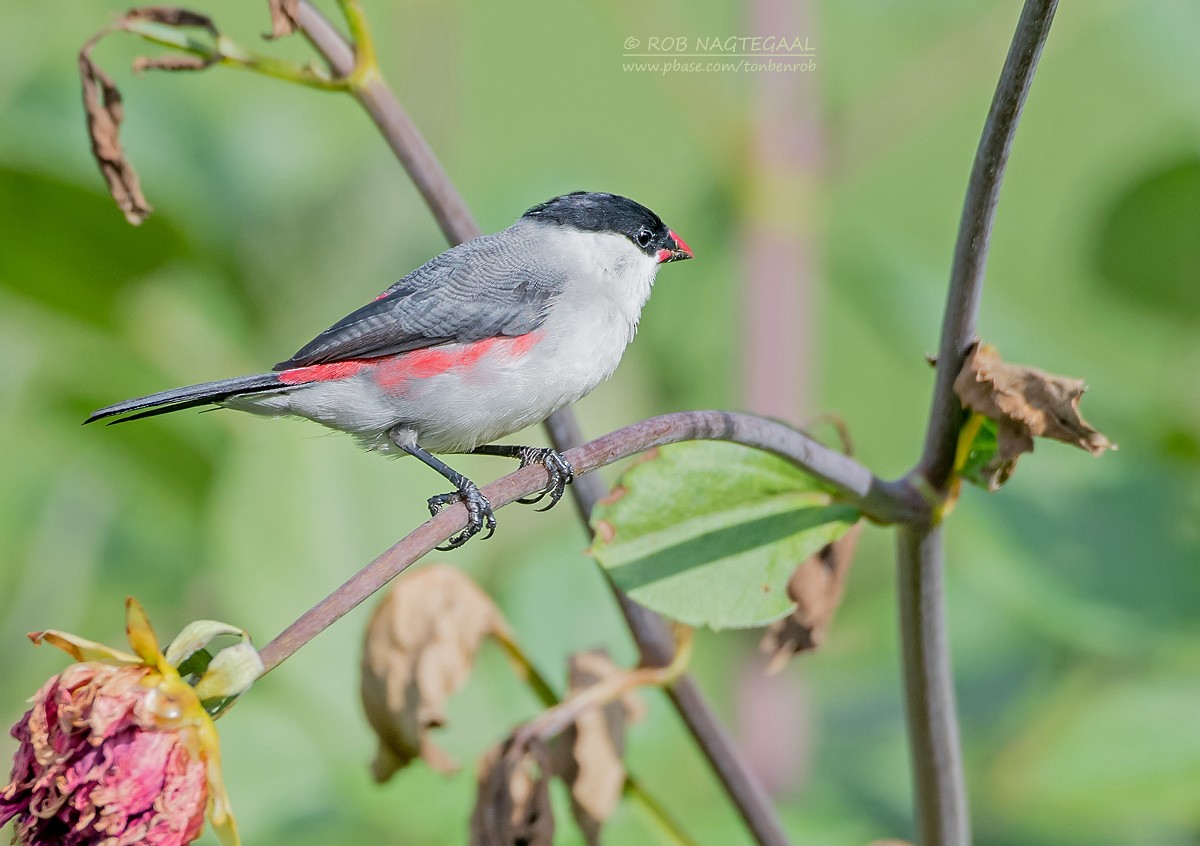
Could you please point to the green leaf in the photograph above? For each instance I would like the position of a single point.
(979, 468)
(708, 533)
(194, 666)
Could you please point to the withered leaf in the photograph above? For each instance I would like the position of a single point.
(588, 756)
(816, 587)
(102, 102)
(1025, 403)
(284, 15)
(173, 63)
(169, 15)
(419, 648)
(512, 803)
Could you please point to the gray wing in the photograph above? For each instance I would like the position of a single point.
(482, 289)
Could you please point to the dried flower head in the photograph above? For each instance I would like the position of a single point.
(117, 749)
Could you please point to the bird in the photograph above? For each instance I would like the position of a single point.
(489, 337)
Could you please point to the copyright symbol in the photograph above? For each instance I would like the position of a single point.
(632, 43)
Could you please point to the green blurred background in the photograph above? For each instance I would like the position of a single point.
(822, 209)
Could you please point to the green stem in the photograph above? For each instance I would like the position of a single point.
(229, 53)
(366, 66)
(667, 825)
(528, 672)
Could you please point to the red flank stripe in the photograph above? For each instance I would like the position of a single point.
(421, 364)
(524, 343)
(392, 372)
(324, 372)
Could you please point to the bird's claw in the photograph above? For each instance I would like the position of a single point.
(559, 470)
(479, 514)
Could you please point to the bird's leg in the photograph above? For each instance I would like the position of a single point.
(560, 471)
(479, 510)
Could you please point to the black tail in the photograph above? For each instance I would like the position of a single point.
(189, 397)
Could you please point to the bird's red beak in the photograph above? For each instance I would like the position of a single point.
(681, 251)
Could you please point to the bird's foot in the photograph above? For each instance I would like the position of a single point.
(479, 513)
(558, 468)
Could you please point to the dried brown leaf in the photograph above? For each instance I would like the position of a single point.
(169, 15)
(588, 756)
(170, 63)
(1025, 403)
(512, 804)
(284, 15)
(102, 102)
(419, 648)
(816, 586)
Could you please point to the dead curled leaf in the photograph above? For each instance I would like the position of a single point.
(102, 103)
(419, 648)
(816, 586)
(588, 757)
(170, 16)
(172, 63)
(512, 803)
(1025, 403)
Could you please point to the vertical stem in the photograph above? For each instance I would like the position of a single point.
(940, 789)
(942, 817)
(748, 794)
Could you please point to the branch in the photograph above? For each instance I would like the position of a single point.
(938, 783)
(882, 501)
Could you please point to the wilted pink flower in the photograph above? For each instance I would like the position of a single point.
(93, 765)
(116, 750)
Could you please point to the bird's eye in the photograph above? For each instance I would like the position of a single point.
(643, 238)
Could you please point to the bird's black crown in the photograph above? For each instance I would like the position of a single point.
(590, 211)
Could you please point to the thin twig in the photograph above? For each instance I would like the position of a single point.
(649, 630)
(938, 782)
(225, 51)
(856, 485)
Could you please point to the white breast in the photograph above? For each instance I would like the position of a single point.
(586, 330)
